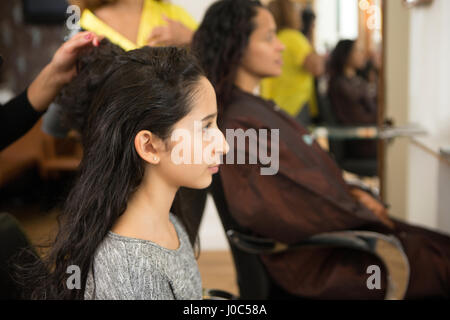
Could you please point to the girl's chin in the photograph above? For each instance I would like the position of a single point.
(202, 183)
(274, 73)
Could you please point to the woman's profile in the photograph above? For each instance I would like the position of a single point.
(116, 225)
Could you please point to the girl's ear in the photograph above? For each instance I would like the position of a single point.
(147, 146)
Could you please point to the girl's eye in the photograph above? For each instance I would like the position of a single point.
(270, 36)
(207, 127)
(207, 131)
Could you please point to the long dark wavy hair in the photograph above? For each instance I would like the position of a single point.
(221, 40)
(339, 58)
(114, 96)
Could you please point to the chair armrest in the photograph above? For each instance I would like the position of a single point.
(255, 245)
(214, 294)
(387, 248)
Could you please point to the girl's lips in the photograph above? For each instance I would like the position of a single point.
(213, 170)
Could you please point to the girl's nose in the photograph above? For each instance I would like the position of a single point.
(224, 146)
(281, 46)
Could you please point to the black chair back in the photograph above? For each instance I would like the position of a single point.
(253, 279)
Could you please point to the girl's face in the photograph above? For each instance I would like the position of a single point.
(263, 55)
(193, 152)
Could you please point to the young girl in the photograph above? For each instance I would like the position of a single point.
(116, 227)
(132, 24)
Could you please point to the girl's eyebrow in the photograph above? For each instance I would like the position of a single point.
(210, 116)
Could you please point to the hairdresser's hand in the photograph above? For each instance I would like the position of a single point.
(60, 71)
(373, 205)
(173, 34)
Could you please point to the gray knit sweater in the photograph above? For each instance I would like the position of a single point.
(134, 269)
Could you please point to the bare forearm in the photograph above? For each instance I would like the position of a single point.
(315, 64)
(44, 89)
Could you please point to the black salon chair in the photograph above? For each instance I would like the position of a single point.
(253, 280)
(256, 284)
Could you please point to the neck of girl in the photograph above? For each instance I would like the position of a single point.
(147, 213)
(246, 81)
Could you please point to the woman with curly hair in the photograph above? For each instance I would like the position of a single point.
(237, 45)
(116, 227)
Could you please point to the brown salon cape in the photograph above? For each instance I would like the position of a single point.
(308, 196)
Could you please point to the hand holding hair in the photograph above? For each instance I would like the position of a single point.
(60, 71)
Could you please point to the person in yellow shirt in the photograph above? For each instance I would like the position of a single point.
(132, 24)
(293, 91)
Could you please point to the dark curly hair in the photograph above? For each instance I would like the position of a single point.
(221, 40)
(114, 96)
(339, 58)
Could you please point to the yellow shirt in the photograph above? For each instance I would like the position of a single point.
(152, 16)
(295, 87)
